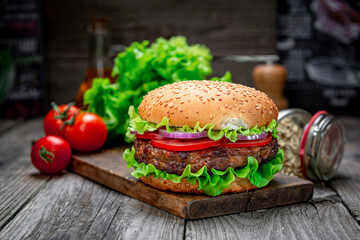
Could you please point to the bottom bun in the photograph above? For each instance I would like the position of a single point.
(239, 185)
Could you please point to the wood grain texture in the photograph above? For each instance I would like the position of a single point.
(321, 220)
(352, 128)
(323, 192)
(347, 182)
(71, 207)
(227, 27)
(7, 124)
(108, 167)
(19, 180)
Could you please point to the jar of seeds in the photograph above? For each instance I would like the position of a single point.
(313, 144)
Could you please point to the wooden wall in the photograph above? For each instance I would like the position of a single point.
(227, 27)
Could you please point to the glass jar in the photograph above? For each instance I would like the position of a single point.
(313, 144)
(100, 64)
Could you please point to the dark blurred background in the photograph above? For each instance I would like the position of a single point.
(48, 42)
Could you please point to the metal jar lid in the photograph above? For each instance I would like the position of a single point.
(321, 145)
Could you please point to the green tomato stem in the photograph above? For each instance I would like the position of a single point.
(62, 115)
(46, 155)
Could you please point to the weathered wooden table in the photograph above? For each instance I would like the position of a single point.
(68, 206)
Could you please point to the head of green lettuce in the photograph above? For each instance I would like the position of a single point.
(211, 181)
(140, 68)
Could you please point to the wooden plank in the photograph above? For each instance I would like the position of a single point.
(7, 124)
(15, 145)
(227, 27)
(323, 192)
(62, 85)
(107, 167)
(71, 207)
(352, 129)
(321, 220)
(17, 188)
(19, 181)
(347, 182)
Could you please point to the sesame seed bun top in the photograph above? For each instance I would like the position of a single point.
(224, 104)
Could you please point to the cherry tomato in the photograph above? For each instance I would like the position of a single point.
(87, 133)
(247, 143)
(150, 135)
(51, 154)
(56, 117)
(185, 144)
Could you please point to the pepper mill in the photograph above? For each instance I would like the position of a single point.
(270, 78)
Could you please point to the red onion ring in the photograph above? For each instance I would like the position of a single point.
(185, 135)
(182, 135)
(253, 137)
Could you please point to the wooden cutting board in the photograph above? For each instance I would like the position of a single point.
(108, 168)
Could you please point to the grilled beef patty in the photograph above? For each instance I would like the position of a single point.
(219, 158)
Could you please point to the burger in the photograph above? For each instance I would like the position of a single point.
(204, 137)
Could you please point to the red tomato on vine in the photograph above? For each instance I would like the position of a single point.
(56, 117)
(86, 132)
(51, 154)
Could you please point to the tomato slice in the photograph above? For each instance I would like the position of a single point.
(150, 135)
(185, 144)
(247, 143)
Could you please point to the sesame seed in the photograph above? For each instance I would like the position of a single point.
(197, 111)
(186, 116)
(211, 116)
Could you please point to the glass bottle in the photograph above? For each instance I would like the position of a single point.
(313, 144)
(100, 64)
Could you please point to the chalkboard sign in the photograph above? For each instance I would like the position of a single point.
(319, 44)
(21, 58)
